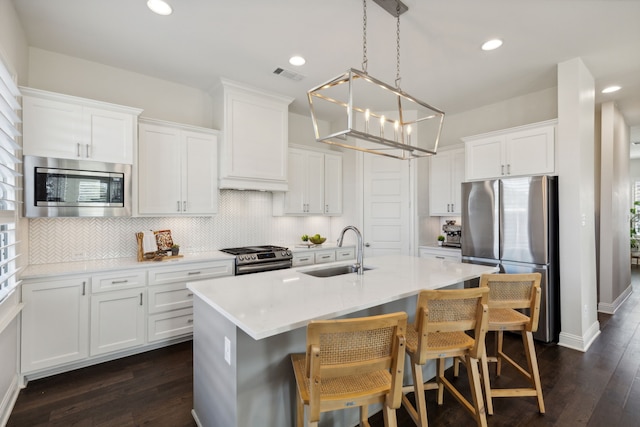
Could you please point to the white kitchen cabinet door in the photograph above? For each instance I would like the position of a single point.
(117, 320)
(110, 135)
(200, 169)
(521, 151)
(55, 323)
(332, 184)
(255, 144)
(484, 158)
(67, 127)
(177, 170)
(306, 183)
(446, 174)
(315, 184)
(530, 151)
(159, 170)
(51, 128)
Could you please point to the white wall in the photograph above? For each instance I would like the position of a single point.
(576, 182)
(160, 99)
(14, 52)
(614, 267)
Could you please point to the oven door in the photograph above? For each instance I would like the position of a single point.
(264, 266)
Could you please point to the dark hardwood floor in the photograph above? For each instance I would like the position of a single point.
(597, 388)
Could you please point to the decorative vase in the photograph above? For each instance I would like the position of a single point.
(439, 242)
(175, 252)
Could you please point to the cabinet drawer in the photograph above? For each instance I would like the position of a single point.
(325, 256)
(306, 259)
(169, 297)
(190, 272)
(114, 281)
(343, 254)
(171, 324)
(447, 255)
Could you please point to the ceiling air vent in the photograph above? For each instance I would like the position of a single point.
(291, 75)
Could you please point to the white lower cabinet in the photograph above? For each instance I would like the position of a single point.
(117, 320)
(73, 321)
(170, 324)
(441, 253)
(322, 256)
(55, 322)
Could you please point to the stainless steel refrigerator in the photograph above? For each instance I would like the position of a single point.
(513, 223)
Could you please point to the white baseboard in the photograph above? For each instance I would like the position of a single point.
(9, 401)
(580, 343)
(611, 308)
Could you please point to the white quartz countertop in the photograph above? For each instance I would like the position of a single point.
(270, 303)
(34, 271)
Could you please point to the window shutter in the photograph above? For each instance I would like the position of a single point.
(9, 179)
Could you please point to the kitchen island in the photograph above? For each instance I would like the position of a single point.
(246, 326)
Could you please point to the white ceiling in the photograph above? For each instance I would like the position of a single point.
(441, 60)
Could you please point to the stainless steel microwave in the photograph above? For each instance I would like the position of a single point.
(75, 188)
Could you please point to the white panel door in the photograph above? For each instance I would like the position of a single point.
(200, 170)
(386, 200)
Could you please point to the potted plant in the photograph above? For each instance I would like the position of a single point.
(175, 249)
(440, 240)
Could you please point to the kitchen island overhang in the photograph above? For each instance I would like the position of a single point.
(245, 327)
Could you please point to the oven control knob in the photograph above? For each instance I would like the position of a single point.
(241, 258)
(254, 257)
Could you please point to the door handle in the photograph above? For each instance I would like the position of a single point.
(140, 298)
(78, 149)
(184, 206)
(367, 245)
(178, 208)
(501, 169)
(87, 150)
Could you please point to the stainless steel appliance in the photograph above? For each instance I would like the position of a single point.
(513, 223)
(255, 259)
(63, 187)
(452, 234)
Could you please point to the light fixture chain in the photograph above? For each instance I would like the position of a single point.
(398, 44)
(364, 36)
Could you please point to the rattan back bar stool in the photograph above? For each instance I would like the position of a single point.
(507, 294)
(351, 363)
(439, 331)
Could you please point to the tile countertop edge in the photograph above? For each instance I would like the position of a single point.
(37, 271)
(258, 307)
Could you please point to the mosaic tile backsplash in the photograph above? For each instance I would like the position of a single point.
(244, 218)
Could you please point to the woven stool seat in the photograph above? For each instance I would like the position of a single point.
(506, 318)
(439, 341)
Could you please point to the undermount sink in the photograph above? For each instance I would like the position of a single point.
(334, 271)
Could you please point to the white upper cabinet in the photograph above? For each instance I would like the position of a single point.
(446, 174)
(333, 184)
(315, 184)
(177, 169)
(67, 127)
(525, 150)
(253, 151)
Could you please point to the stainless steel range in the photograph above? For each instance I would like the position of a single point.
(255, 259)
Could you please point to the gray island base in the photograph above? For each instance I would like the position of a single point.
(245, 327)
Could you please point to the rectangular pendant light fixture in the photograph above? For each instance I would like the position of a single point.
(374, 117)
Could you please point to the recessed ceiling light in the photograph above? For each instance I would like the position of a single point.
(611, 89)
(492, 44)
(160, 7)
(297, 60)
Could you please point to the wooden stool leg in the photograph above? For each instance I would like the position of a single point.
(476, 391)
(500, 337)
(390, 419)
(364, 415)
(486, 382)
(532, 361)
(439, 376)
(299, 410)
